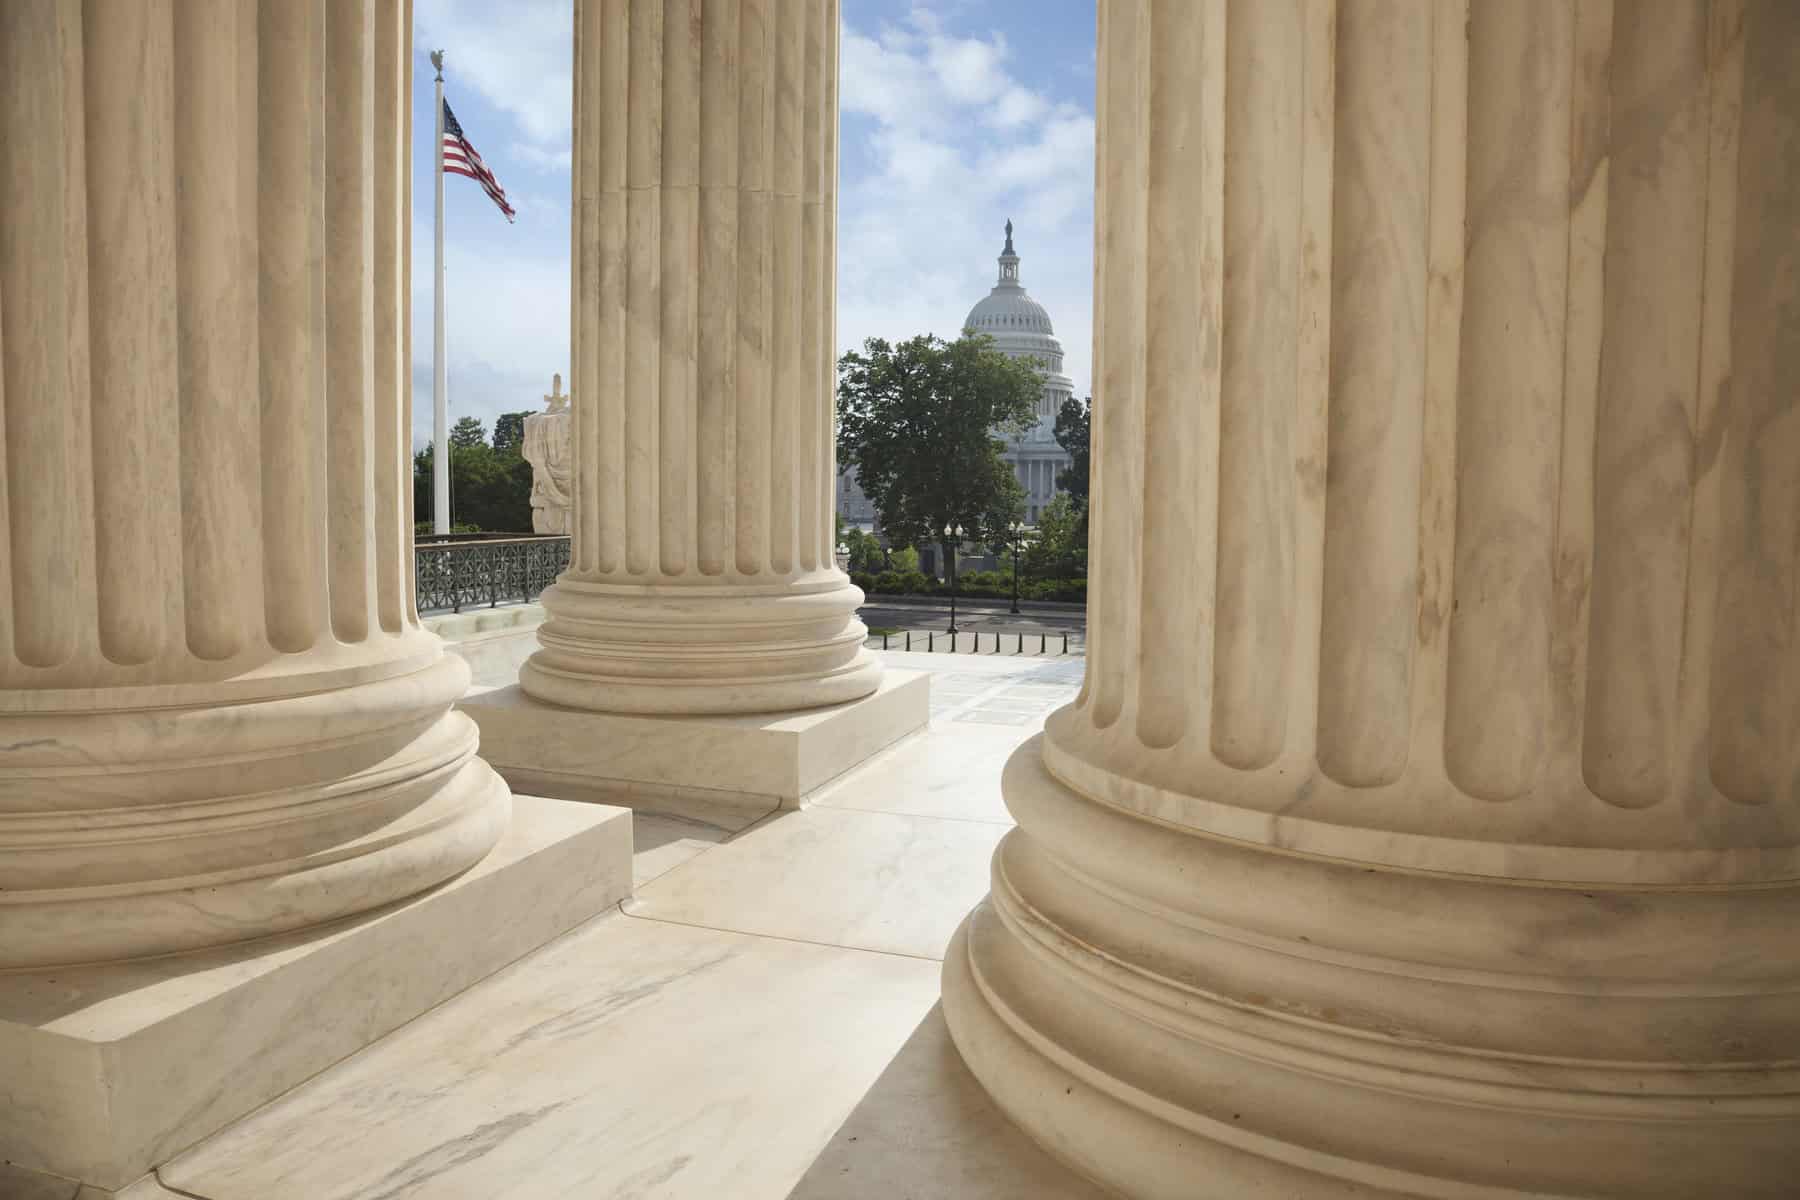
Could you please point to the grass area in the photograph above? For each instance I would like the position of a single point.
(883, 630)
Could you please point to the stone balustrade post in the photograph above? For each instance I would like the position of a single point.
(219, 716)
(702, 577)
(1429, 822)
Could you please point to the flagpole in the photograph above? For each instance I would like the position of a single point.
(440, 411)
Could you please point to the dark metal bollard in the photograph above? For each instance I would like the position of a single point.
(884, 641)
(1065, 643)
(931, 642)
(1043, 643)
(909, 639)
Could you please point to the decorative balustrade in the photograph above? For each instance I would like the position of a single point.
(472, 571)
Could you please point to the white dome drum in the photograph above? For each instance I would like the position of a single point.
(1021, 328)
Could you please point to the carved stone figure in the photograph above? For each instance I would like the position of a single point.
(547, 450)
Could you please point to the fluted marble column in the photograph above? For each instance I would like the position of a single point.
(219, 717)
(702, 577)
(1429, 822)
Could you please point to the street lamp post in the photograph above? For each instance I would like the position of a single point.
(950, 546)
(1018, 532)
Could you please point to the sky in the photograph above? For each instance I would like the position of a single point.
(956, 115)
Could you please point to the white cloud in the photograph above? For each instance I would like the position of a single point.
(518, 57)
(506, 328)
(506, 286)
(954, 143)
(541, 158)
(944, 139)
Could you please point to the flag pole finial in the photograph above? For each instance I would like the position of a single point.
(437, 60)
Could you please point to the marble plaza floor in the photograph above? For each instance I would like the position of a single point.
(759, 1020)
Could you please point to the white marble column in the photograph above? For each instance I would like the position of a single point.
(219, 717)
(1429, 822)
(702, 577)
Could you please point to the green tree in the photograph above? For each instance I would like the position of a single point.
(466, 434)
(422, 489)
(509, 434)
(865, 550)
(1072, 421)
(489, 490)
(1058, 549)
(919, 420)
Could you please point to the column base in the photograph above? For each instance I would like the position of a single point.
(1185, 1017)
(766, 760)
(674, 650)
(107, 1071)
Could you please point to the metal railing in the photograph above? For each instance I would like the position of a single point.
(1001, 643)
(454, 575)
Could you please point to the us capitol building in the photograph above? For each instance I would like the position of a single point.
(1021, 329)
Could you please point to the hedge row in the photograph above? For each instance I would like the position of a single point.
(990, 585)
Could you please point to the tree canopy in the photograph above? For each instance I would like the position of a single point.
(918, 421)
(1072, 421)
(509, 433)
(467, 433)
(1058, 550)
(864, 548)
(490, 486)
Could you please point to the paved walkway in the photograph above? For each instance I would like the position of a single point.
(709, 1038)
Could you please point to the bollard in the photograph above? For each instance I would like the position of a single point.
(931, 642)
(884, 641)
(1043, 643)
(1065, 643)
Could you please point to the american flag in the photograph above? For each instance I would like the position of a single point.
(460, 159)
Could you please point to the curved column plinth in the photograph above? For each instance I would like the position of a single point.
(150, 829)
(1178, 1015)
(674, 650)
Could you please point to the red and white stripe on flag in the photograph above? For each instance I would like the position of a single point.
(460, 158)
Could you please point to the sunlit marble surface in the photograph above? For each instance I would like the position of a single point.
(981, 710)
(632, 1058)
(873, 881)
(749, 758)
(640, 1057)
(661, 842)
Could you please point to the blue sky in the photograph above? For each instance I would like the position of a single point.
(957, 114)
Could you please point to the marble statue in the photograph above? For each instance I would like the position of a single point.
(547, 450)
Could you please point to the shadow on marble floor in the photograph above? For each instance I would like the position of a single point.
(925, 1130)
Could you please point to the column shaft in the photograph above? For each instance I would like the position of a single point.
(219, 717)
(1423, 827)
(703, 303)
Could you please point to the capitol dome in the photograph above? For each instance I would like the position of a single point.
(1021, 328)
(1018, 324)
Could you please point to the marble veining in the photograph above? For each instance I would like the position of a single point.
(604, 1067)
(896, 884)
